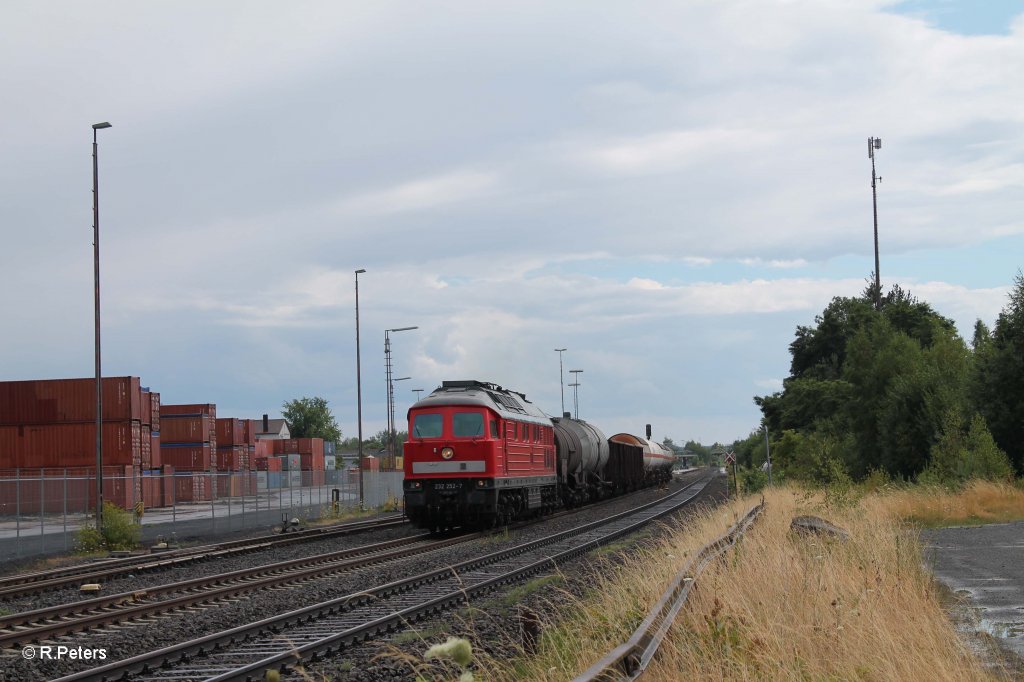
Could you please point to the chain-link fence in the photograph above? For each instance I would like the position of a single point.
(41, 510)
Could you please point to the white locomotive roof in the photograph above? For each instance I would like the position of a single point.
(508, 404)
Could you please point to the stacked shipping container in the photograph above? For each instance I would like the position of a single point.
(50, 425)
(188, 442)
(234, 439)
(311, 456)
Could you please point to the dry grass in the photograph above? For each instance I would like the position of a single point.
(979, 502)
(782, 607)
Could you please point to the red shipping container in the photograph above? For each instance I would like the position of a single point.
(268, 464)
(206, 409)
(189, 457)
(154, 417)
(180, 429)
(154, 450)
(314, 446)
(147, 408)
(311, 462)
(371, 464)
(236, 484)
(152, 489)
(233, 458)
(49, 401)
(147, 448)
(249, 432)
(263, 448)
(192, 488)
(230, 431)
(69, 445)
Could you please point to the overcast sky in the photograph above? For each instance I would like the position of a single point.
(667, 189)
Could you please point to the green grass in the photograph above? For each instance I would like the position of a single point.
(417, 634)
(520, 592)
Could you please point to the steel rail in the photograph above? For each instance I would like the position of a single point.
(368, 609)
(630, 659)
(34, 583)
(46, 623)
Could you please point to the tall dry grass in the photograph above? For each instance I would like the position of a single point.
(977, 503)
(782, 607)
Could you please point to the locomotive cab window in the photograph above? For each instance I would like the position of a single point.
(467, 424)
(494, 428)
(427, 426)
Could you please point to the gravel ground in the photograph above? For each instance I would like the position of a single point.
(130, 582)
(494, 625)
(132, 639)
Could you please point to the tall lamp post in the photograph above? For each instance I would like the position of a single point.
(391, 435)
(96, 293)
(389, 386)
(417, 391)
(875, 143)
(561, 379)
(359, 392)
(575, 388)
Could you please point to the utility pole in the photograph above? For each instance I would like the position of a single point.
(575, 391)
(359, 392)
(873, 144)
(561, 379)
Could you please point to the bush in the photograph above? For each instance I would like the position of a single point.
(120, 532)
(752, 479)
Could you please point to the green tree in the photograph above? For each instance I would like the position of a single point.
(868, 387)
(998, 378)
(311, 418)
(962, 453)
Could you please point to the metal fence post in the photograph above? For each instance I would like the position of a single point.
(17, 509)
(174, 503)
(213, 493)
(65, 509)
(42, 503)
(230, 481)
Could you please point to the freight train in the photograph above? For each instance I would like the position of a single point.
(479, 455)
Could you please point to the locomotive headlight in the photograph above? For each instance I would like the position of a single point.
(447, 453)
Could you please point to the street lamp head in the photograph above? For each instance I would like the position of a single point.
(100, 126)
(576, 371)
(402, 329)
(360, 271)
(401, 379)
(561, 350)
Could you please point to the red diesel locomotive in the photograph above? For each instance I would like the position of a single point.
(479, 454)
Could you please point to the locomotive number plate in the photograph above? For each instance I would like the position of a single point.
(447, 486)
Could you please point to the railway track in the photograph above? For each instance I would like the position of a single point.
(47, 623)
(34, 583)
(249, 651)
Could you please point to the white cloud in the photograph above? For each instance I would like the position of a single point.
(424, 194)
(508, 190)
(672, 150)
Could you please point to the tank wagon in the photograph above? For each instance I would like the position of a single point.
(479, 455)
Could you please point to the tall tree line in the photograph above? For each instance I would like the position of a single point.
(894, 388)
